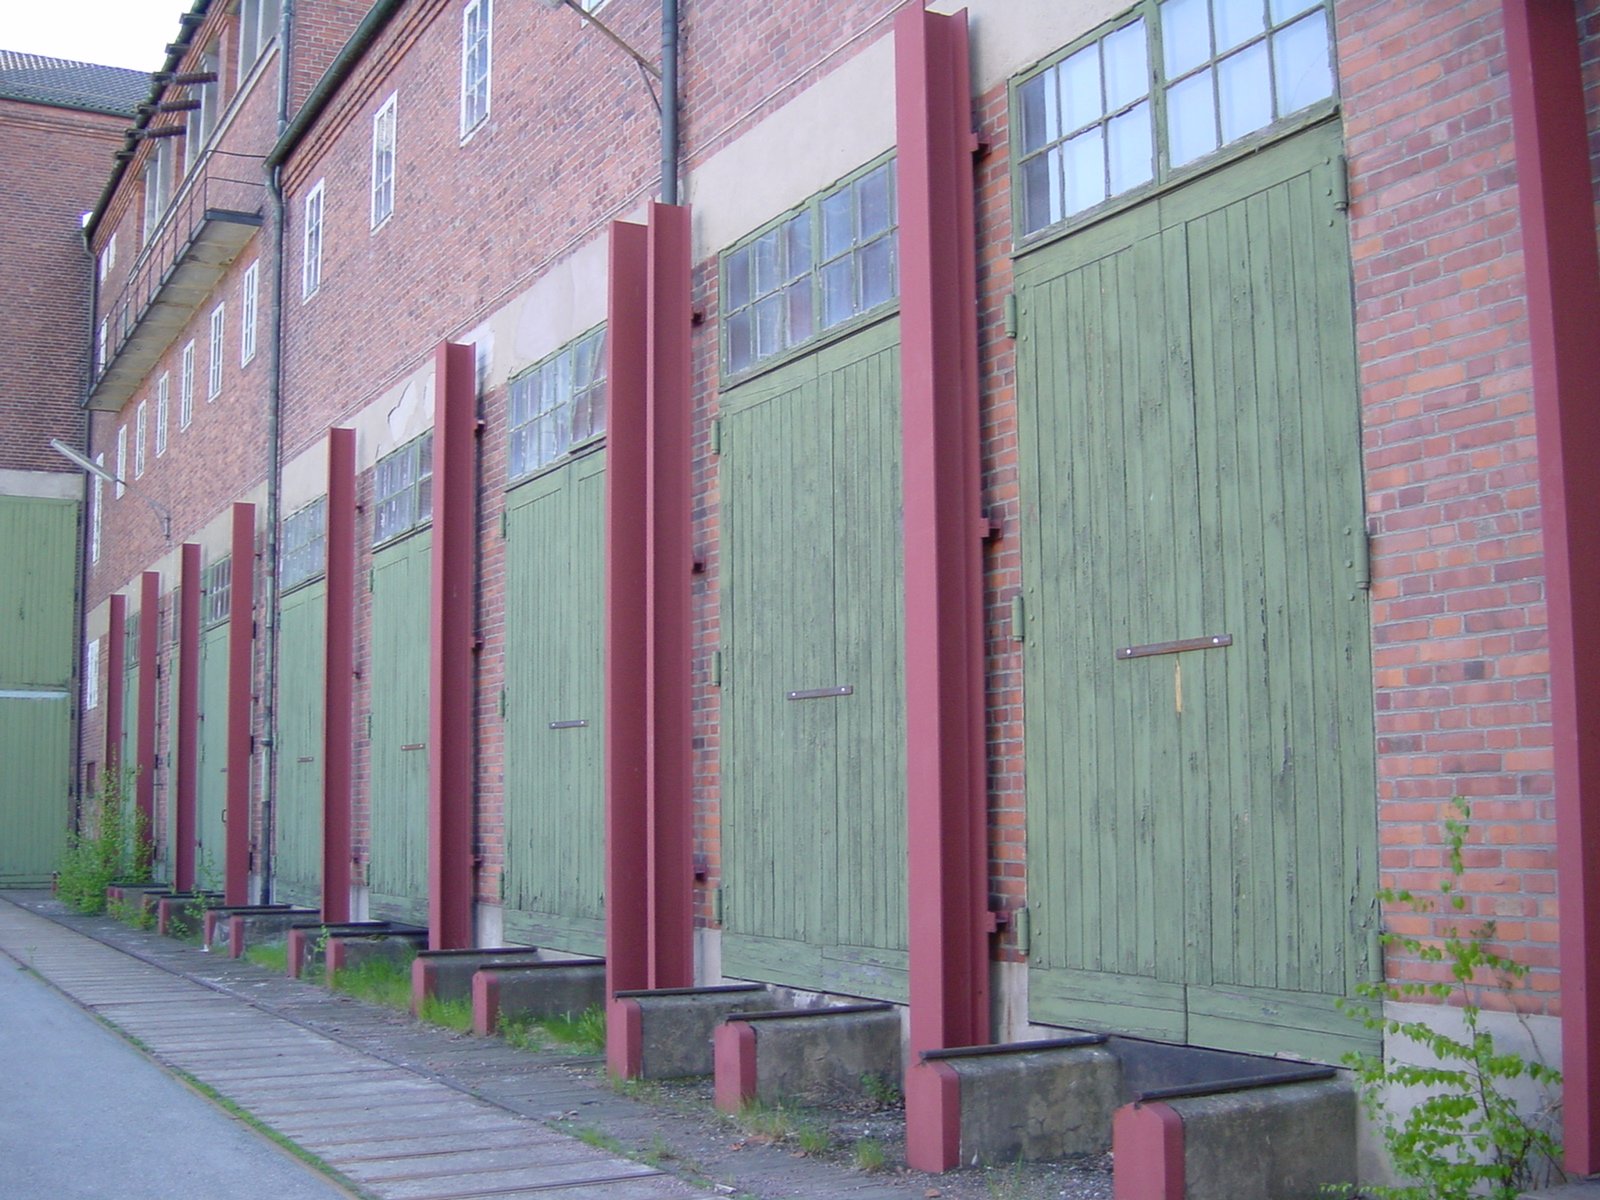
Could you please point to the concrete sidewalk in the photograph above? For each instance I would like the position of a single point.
(399, 1109)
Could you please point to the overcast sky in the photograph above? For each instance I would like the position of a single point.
(117, 33)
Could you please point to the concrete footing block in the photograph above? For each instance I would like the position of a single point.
(350, 948)
(309, 941)
(669, 1030)
(535, 990)
(815, 1054)
(183, 914)
(447, 974)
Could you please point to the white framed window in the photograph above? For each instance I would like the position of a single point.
(305, 544)
(383, 145)
(97, 502)
(108, 258)
(558, 404)
(311, 263)
(186, 387)
(140, 428)
(258, 25)
(157, 184)
(91, 675)
(402, 488)
(476, 46)
(248, 289)
(122, 461)
(214, 379)
(100, 344)
(202, 121)
(163, 399)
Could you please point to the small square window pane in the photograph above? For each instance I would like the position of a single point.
(1085, 170)
(838, 226)
(1191, 119)
(797, 244)
(799, 301)
(1185, 35)
(1127, 66)
(1081, 99)
(424, 503)
(769, 326)
(1129, 149)
(1282, 10)
(519, 452)
(1041, 111)
(877, 272)
(741, 351)
(1041, 191)
(872, 200)
(597, 410)
(738, 274)
(1301, 54)
(838, 292)
(580, 417)
(765, 254)
(582, 365)
(1244, 90)
(425, 458)
(1236, 22)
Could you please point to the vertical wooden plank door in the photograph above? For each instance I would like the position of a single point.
(297, 863)
(212, 793)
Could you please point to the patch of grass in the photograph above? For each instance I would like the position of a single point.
(385, 981)
(869, 1155)
(590, 1136)
(452, 1014)
(1004, 1183)
(274, 956)
(882, 1090)
(136, 916)
(582, 1033)
(648, 1091)
(778, 1123)
(113, 844)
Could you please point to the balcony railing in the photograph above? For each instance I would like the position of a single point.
(215, 213)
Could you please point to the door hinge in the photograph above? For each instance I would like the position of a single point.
(502, 704)
(1019, 631)
(716, 668)
(369, 727)
(716, 435)
(1341, 183)
(1360, 560)
(1011, 314)
(505, 523)
(1022, 922)
(718, 905)
(372, 579)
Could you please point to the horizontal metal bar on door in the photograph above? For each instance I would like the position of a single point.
(1201, 643)
(32, 694)
(416, 746)
(822, 693)
(569, 724)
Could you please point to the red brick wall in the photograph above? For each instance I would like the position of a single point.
(61, 161)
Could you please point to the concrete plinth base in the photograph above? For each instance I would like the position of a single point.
(447, 974)
(668, 1031)
(805, 1054)
(535, 991)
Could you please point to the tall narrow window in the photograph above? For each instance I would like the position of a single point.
(214, 379)
(157, 184)
(216, 589)
(247, 309)
(383, 146)
(91, 675)
(186, 387)
(476, 20)
(122, 461)
(163, 398)
(139, 431)
(108, 258)
(311, 265)
(203, 120)
(100, 344)
(97, 503)
(305, 544)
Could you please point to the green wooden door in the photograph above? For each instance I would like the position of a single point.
(38, 544)
(297, 863)
(211, 801)
(397, 875)
(130, 723)
(1201, 822)
(813, 781)
(554, 754)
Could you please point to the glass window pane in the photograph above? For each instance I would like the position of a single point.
(597, 410)
(1282, 10)
(1185, 35)
(519, 452)
(838, 229)
(741, 351)
(582, 365)
(838, 292)
(424, 503)
(1081, 101)
(1130, 149)
(769, 326)
(797, 243)
(1127, 66)
(799, 301)
(765, 254)
(1191, 119)
(1236, 22)
(1085, 169)
(1041, 111)
(1244, 89)
(872, 199)
(738, 273)
(1041, 191)
(877, 272)
(1301, 59)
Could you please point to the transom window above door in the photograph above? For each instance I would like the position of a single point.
(1171, 83)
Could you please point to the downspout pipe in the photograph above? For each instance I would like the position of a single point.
(270, 600)
(669, 101)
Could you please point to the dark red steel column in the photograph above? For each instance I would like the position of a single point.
(338, 677)
(452, 647)
(116, 666)
(1556, 201)
(946, 776)
(149, 639)
(670, 558)
(627, 849)
(241, 658)
(187, 767)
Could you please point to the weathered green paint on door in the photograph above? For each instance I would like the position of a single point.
(297, 863)
(813, 789)
(130, 724)
(1201, 826)
(555, 662)
(397, 874)
(38, 545)
(211, 853)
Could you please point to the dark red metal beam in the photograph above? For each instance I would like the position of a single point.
(116, 665)
(626, 711)
(1556, 201)
(946, 775)
(149, 638)
(668, 621)
(452, 647)
(338, 678)
(187, 766)
(241, 646)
